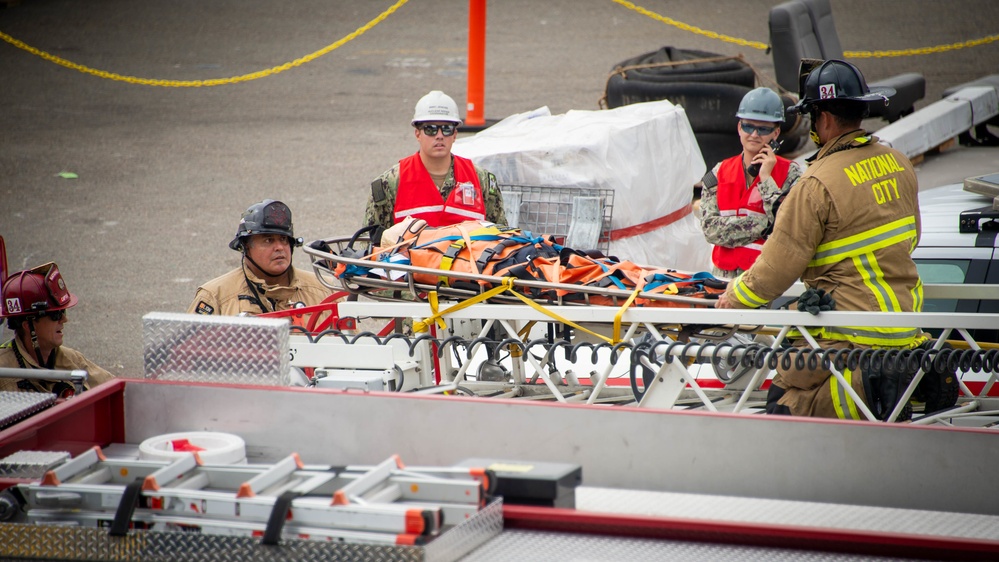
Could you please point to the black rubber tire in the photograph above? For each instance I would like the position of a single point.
(710, 106)
(716, 147)
(715, 129)
(728, 71)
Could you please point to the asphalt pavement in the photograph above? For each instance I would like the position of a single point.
(163, 173)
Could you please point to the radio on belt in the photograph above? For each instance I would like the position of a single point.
(532, 483)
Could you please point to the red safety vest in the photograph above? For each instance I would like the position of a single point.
(734, 200)
(420, 198)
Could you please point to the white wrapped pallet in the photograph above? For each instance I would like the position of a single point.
(646, 153)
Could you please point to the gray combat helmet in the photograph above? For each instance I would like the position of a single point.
(761, 104)
(267, 217)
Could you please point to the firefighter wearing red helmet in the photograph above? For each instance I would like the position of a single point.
(34, 304)
(266, 280)
(847, 230)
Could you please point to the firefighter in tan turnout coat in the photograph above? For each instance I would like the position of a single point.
(846, 229)
(266, 281)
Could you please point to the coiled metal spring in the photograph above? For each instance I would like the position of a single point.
(751, 356)
(759, 356)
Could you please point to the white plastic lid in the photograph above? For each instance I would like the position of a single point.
(212, 448)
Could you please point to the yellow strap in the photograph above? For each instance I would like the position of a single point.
(551, 314)
(620, 313)
(522, 334)
(434, 305)
(465, 242)
(424, 325)
(507, 285)
(448, 261)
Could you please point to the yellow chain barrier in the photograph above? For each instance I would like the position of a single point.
(363, 29)
(923, 50)
(848, 54)
(690, 28)
(203, 83)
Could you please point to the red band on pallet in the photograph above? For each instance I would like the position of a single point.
(649, 226)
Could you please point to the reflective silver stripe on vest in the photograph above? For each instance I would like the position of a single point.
(419, 210)
(464, 213)
(741, 213)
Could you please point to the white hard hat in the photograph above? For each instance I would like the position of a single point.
(761, 104)
(436, 106)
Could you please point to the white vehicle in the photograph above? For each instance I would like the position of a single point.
(960, 244)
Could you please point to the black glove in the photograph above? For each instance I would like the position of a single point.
(320, 245)
(814, 301)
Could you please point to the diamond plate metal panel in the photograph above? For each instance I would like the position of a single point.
(539, 546)
(223, 349)
(15, 406)
(469, 535)
(31, 464)
(785, 512)
(51, 542)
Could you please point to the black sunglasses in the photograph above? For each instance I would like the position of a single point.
(763, 131)
(55, 315)
(446, 130)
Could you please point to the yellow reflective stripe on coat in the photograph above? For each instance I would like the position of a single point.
(873, 278)
(860, 249)
(846, 408)
(746, 295)
(865, 335)
(917, 296)
(865, 242)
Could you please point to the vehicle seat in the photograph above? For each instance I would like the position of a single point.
(804, 29)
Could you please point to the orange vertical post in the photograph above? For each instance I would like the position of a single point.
(475, 108)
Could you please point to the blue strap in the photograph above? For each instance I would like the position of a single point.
(660, 279)
(479, 238)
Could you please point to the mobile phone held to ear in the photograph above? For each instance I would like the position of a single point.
(754, 169)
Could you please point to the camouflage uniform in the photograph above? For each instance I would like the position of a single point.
(381, 204)
(734, 231)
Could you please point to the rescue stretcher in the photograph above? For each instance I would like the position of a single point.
(327, 254)
(683, 355)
